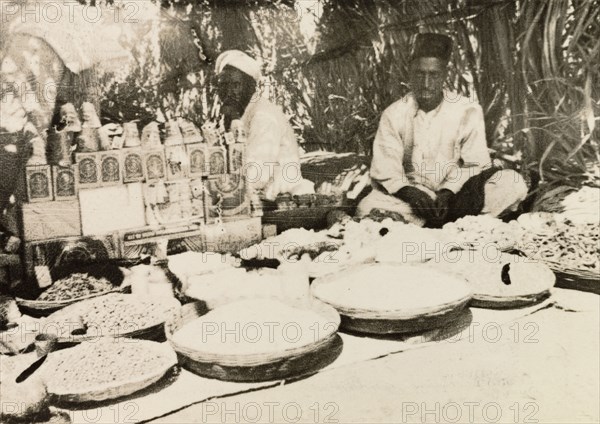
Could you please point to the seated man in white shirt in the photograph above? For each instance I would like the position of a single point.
(272, 151)
(430, 159)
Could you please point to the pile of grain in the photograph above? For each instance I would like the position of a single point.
(253, 326)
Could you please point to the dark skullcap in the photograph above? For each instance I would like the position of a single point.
(429, 44)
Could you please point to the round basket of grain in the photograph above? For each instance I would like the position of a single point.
(570, 248)
(257, 339)
(112, 315)
(66, 291)
(501, 280)
(387, 298)
(105, 369)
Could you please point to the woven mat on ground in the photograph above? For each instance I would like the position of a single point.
(188, 389)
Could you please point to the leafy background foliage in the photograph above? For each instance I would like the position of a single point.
(534, 65)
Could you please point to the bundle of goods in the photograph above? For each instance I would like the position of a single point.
(383, 299)
(105, 369)
(111, 315)
(482, 231)
(567, 247)
(249, 339)
(500, 281)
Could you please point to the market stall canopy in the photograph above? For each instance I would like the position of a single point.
(84, 36)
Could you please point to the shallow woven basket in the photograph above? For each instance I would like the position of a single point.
(259, 367)
(392, 321)
(45, 307)
(117, 389)
(155, 332)
(508, 302)
(584, 274)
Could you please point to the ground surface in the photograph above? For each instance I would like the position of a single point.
(542, 368)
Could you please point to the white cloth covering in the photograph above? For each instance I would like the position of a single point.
(238, 60)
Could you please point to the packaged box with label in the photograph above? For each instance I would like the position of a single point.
(39, 183)
(110, 168)
(133, 168)
(64, 182)
(227, 197)
(88, 170)
(154, 165)
(198, 159)
(217, 160)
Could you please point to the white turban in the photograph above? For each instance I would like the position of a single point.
(238, 60)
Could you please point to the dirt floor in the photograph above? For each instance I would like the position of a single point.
(542, 368)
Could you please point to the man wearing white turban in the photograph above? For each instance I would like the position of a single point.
(272, 150)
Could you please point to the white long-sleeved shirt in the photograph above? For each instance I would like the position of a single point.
(438, 149)
(271, 147)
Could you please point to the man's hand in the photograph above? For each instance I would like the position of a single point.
(442, 202)
(422, 205)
